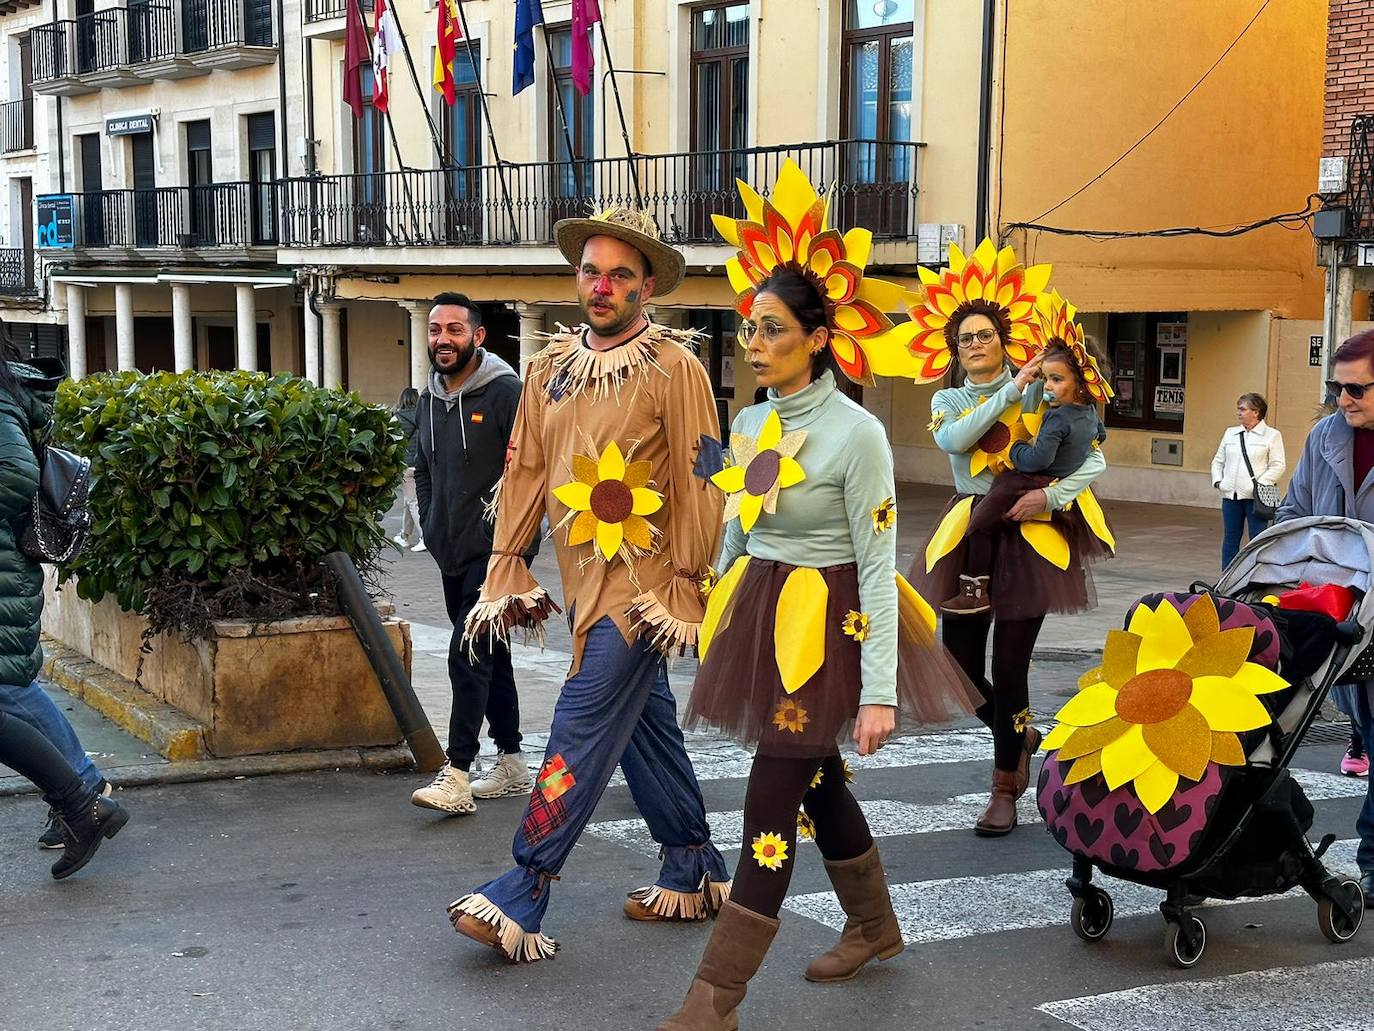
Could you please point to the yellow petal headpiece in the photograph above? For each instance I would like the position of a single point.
(791, 228)
(989, 277)
(1057, 325)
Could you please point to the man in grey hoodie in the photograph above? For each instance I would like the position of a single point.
(463, 424)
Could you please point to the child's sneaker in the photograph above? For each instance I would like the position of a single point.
(971, 599)
(1355, 763)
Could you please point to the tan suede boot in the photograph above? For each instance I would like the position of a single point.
(738, 944)
(1000, 816)
(871, 928)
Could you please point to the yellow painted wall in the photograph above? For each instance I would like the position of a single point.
(378, 369)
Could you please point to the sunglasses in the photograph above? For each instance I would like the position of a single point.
(1355, 390)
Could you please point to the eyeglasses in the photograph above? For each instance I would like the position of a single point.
(983, 336)
(1355, 390)
(772, 331)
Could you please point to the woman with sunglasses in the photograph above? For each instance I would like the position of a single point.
(994, 334)
(1249, 454)
(810, 631)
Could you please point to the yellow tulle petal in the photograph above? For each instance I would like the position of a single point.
(1227, 707)
(909, 600)
(576, 495)
(609, 538)
(730, 479)
(790, 472)
(612, 464)
(1096, 519)
(1126, 758)
(949, 533)
(1090, 706)
(1156, 786)
(717, 601)
(1047, 541)
(799, 627)
(646, 502)
(771, 431)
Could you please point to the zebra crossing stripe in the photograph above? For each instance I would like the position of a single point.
(889, 818)
(961, 907)
(1323, 997)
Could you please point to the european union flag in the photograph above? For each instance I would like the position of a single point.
(528, 14)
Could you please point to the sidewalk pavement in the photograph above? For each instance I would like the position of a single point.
(1158, 547)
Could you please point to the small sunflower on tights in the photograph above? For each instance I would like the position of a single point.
(790, 717)
(848, 773)
(770, 851)
(856, 625)
(816, 780)
(806, 827)
(884, 516)
(1022, 720)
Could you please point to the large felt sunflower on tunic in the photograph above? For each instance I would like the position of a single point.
(762, 467)
(993, 450)
(790, 228)
(608, 500)
(1171, 695)
(990, 276)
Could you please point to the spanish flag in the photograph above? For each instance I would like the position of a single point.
(448, 33)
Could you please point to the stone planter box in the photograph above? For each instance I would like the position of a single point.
(256, 687)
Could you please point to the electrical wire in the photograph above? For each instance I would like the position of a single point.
(1134, 146)
(1291, 220)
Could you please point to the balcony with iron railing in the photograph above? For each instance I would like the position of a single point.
(217, 217)
(16, 125)
(16, 272)
(149, 39)
(1362, 177)
(873, 184)
(325, 19)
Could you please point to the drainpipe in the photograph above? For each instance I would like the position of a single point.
(308, 61)
(281, 89)
(985, 124)
(61, 142)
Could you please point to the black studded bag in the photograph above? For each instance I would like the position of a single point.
(58, 519)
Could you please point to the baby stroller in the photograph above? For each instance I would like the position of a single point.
(1218, 820)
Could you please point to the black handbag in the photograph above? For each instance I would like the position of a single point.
(1267, 497)
(58, 519)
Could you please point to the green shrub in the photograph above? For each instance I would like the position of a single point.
(214, 495)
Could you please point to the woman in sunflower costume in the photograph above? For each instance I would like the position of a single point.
(810, 630)
(986, 312)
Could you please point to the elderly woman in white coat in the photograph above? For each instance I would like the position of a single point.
(1263, 445)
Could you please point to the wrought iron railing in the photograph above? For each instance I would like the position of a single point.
(1362, 177)
(16, 271)
(215, 24)
(239, 214)
(326, 10)
(16, 125)
(873, 184)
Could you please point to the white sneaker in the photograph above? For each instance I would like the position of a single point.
(420, 547)
(510, 776)
(448, 794)
(400, 540)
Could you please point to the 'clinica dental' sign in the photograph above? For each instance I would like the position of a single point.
(128, 125)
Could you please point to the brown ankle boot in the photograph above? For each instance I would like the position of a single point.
(871, 928)
(1000, 816)
(738, 944)
(1030, 744)
(972, 597)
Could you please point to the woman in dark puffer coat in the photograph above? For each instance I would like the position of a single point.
(85, 816)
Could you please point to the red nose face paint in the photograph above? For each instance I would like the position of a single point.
(603, 285)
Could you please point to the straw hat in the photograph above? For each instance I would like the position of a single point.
(638, 229)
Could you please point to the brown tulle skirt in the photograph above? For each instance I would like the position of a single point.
(1024, 584)
(739, 691)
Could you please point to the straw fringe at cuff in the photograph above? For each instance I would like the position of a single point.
(519, 945)
(652, 620)
(497, 617)
(684, 905)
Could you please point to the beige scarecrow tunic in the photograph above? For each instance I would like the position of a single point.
(651, 397)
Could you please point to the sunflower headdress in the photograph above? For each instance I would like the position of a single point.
(989, 282)
(1056, 318)
(791, 229)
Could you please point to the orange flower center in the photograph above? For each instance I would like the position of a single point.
(996, 439)
(612, 501)
(1154, 696)
(769, 851)
(762, 472)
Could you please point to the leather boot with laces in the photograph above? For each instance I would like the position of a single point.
(449, 793)
(84, 830)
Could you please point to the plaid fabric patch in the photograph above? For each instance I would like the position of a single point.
(555, 779)
(542, 818)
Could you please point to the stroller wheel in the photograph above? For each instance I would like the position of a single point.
(1176, 946)
(1092, 914)
(1335, 923)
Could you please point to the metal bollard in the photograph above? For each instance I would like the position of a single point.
(391, 674)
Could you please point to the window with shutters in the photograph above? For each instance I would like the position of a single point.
(262, 172)
(200, 180)
(572, 172)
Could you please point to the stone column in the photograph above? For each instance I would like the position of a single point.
(419, 342)
(124, 327)
(183, 340)
(333, 346)
(246, 321)
(531, 325)
(76, 331)
(312, 341)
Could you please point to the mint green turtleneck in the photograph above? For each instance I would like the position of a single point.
(826, 519)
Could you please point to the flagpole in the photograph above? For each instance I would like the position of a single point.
(386, 114)
(620, 110)
(486, 117)
(420, 92)
(562, 113)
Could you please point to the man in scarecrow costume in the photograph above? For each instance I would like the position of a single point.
(606, 442)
